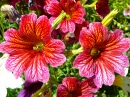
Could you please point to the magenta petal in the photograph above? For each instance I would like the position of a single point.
(117, 42)
(85, 38)
(53, 52)
(104, 73)
(67, 26)
(55, 59)
(37, 70)
(54, 8)
(62, 91)
(17, 63)
(84, 63)
(117, 60)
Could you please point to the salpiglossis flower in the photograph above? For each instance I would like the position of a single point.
(102, 8)
(74, 14)
(72, 87)
(31, 48)
(102, 55)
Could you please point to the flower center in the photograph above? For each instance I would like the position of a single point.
(38, 47)
(95, 53)
(67, 17)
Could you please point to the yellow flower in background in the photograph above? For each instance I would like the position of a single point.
(123, 82)
(7, 79)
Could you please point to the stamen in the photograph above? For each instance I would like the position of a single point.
(95, 53)
(38, 46)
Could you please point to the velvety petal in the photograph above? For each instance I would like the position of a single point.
(88, 88)
(17, 63)
(86, 39)
(62, 91)
(97, 35)
(27, 25)
(52, 51)
(117, 42)
(104, 73)
(54, 45)
(117, 60)
(12, 35)
(71, 83)
(102, 8)
(99, 32)
(37, 69)
(54, 59)
(54, 8)
(43, 27)
(78, 15)
(67, 26)
(29, 89)
(85, 64)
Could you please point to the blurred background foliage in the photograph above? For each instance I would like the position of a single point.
(119, 22)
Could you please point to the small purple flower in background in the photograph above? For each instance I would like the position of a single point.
(102, 55)
(31, 48)
(126, 11)
(30, 88)
(74, 14)
(72, 87)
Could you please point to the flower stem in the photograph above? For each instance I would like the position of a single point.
(74, 52)
(58, 19)
(91, 5)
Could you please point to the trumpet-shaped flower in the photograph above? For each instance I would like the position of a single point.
(7, 79)
(74, 14)
(102, 54)
(31, 48)
(72, 87)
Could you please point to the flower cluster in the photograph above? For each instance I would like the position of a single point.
(43, 43)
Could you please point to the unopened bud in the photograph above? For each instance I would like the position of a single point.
(12, 14)
(108, 19)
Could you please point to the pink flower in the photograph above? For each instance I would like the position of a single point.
(74, 10)
(102, 8)
(126, 11)
(31, 48)
(72, 87)
(102, 55)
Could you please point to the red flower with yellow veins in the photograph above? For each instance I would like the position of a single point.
(31, 48)
(102, 55)
(74, 14)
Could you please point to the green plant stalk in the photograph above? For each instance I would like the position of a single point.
(91, 5)
(74, 52)
(58, 19)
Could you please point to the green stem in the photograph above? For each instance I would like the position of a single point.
(91, 5)
(74, 52)
(58, 19)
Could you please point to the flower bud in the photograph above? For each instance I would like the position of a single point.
(12, 14)
(107, 20)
